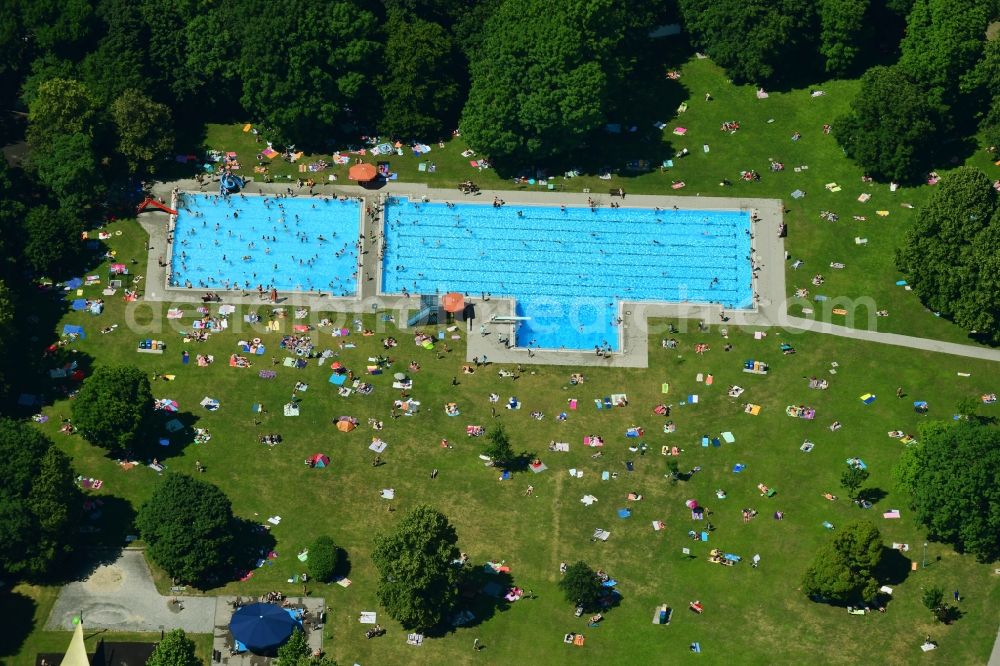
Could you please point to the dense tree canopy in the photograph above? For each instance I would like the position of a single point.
(118, 62)
(417, 582)
(949, 255)
(889, 131)
(145, 132)
(60, 107)
(541, 78)
(188, 526)
(176, 649)
(843, 569)
(952, 475)
(944, 41)
(114, 406)
(68, 168)
(53, 239)
(320, 76)
(760, 40)
(420, 91)
(39, 501)
(845, 28)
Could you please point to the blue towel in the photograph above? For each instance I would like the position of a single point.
(704, 441)
(78, 304)
(900, 283)
(738, 467)
(716, 443)
(609, 583)
(337, 380)
(704, 536)
(70, 329)
(624, 513)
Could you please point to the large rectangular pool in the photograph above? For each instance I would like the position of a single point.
(288, 243)
(568, 267)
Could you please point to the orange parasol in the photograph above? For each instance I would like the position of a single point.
(345, 426)
(362, 172)
(453, 302)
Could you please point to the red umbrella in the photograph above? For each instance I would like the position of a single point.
(453, 302)
(362, 172)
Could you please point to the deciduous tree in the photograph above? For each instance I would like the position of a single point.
(889, 131)
(843, 569)
(322, 76)
(541, 78)
(59, 107)
(39, 501)
(145, 130)
(944, 41)
(498, 446)
(952, 475)
(950, 256)
(581, 586)
(176, 649)
(420, 92)
(417, 582)
(68, 167)
(114, 406)
(852, 478)
(294, 650)
(188, 526)
(324, 557)
(52, 239)
(845, 29)
(754, 40)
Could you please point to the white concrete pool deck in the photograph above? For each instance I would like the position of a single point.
(769, 250)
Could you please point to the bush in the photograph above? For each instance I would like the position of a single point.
(324, 558)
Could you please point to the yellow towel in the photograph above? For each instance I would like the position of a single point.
(882, 213)
(246, 128)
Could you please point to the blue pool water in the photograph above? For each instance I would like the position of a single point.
(568, 268)
(291, 243)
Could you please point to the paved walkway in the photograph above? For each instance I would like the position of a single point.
(995, 656)
(770, 308)
(122, 597)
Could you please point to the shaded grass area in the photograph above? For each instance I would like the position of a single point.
(759, 614)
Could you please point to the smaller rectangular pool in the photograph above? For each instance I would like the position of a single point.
(288, 243)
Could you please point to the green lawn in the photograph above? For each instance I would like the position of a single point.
(758, 614)
(766, 127)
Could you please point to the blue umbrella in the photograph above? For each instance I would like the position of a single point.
(262, 626)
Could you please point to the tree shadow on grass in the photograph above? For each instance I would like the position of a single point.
(343, 568)
(252, 542)
(106, 521)
(481, 596)
(873, 495)
(18, 612)
(175, 428)
(894, 567)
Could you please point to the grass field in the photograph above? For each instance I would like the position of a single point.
(758, 614)
(766, 127)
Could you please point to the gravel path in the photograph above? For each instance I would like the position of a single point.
(121, 596)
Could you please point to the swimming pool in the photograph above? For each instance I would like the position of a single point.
(288, 243)
(568, 267)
